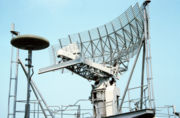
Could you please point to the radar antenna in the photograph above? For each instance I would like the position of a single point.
(102, 54)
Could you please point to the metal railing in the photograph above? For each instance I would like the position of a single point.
(77, 111)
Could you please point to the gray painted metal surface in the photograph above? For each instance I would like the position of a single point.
(146, 113)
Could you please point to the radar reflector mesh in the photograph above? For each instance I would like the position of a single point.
(112, 43)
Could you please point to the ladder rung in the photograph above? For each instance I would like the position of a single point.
(147, 58)
(14, 61)
(12, 96)
(13, 78)
(150, 78)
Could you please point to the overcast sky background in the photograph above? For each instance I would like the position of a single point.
(54, 19)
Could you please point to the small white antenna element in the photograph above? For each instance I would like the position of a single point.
(12, 26)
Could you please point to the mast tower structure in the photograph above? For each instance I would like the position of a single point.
(13, 82)
(26, 42)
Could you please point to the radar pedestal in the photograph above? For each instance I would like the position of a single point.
(30, 43)
(104, 97)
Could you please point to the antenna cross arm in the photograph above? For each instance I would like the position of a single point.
(60, 66)
(90, 71)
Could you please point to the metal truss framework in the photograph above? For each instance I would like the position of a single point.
(40, 107)
(114, 43)
(111, 44)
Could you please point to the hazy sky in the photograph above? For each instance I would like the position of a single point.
(54, 19)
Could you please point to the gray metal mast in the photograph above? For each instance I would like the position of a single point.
(148, 55)
(29, 59)
(13, 82)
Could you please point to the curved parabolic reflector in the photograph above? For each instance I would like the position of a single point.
(114, 42)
